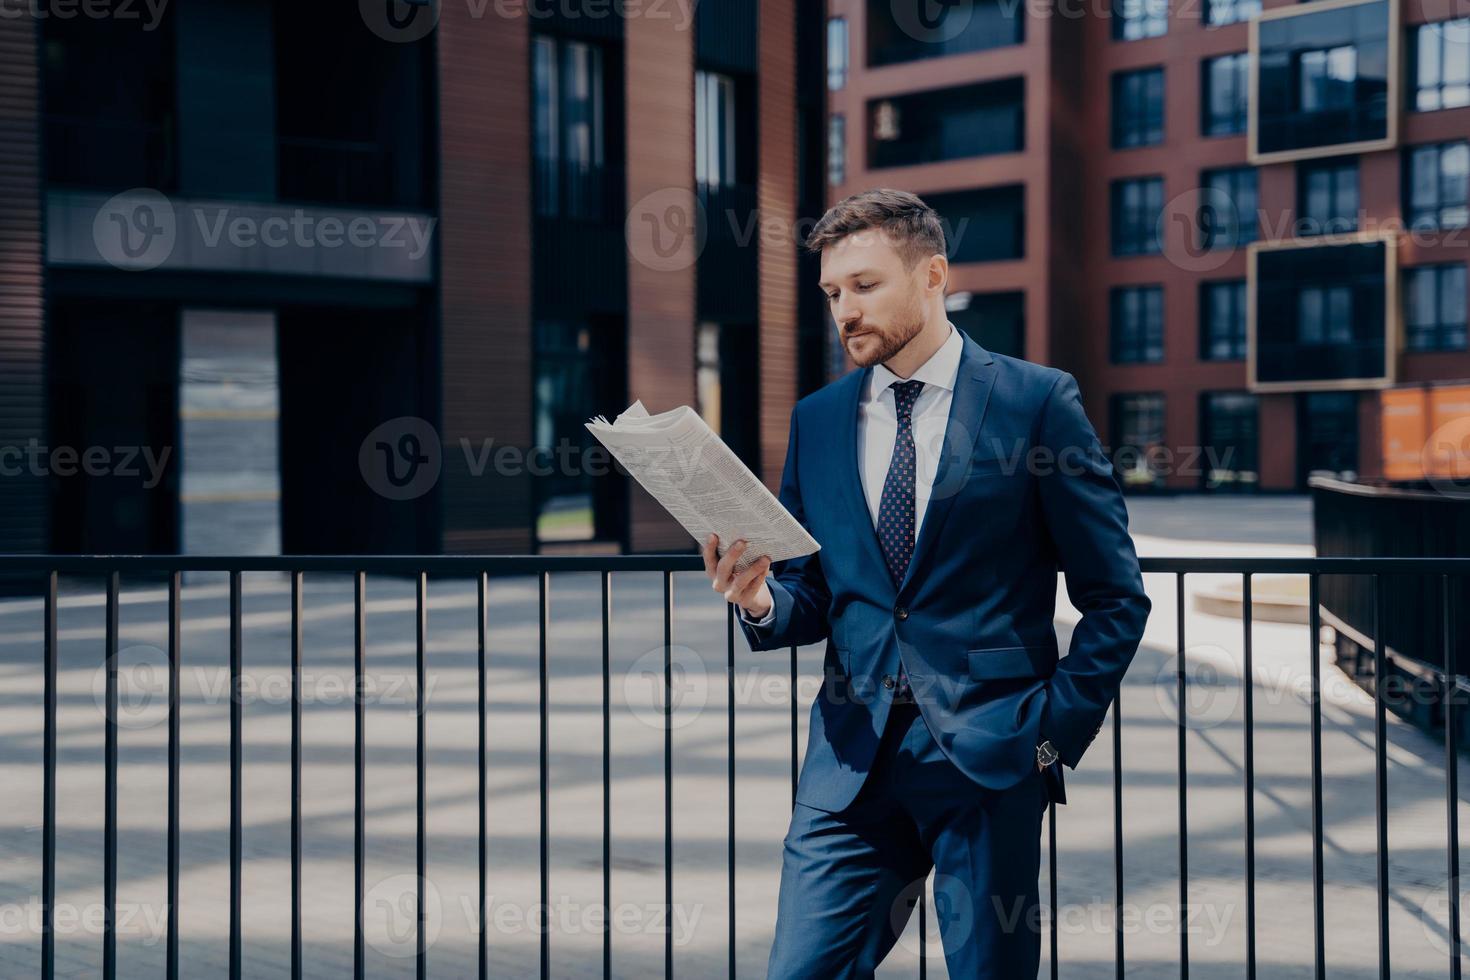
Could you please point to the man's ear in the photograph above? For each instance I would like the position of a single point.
(937, 273)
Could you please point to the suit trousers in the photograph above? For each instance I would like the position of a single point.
(850, 879)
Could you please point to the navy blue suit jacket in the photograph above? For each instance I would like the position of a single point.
(1022, 490)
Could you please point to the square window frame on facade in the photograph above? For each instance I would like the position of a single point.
(1114, 187)
(1436, 269)
(1392, 323)
(1395, 83)
(1205, 91)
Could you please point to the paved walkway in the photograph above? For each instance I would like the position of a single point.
(1086, 921)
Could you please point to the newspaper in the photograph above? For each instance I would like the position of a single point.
(688, 469)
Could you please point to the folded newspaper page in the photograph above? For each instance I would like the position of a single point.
(686, 467)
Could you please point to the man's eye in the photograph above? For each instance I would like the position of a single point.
(866, 285)
(832, 297)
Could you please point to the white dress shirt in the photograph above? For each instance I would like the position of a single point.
(877, 429)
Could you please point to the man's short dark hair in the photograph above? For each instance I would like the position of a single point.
(913, 225)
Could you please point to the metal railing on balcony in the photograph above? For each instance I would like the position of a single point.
(45, 570)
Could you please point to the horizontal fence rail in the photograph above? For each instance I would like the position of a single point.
(1449, 573)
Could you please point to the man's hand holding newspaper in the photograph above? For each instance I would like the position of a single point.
(698, 479)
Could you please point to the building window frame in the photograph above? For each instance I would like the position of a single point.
(1237, 119)
(1432, 198)
(569, 139)
(1442, 327)
(1137, 428)
(1219, 13)
(1228, 477)
(1136, 203)
(1138, 107)
(1136, 324)
(714, 129)
(1428, 88)
(1342, 188)
(1138, 20)
(1229, 210)
(1222, 341)
(836, 149)
(838, 53)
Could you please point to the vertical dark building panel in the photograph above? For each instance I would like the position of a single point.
(226, 99)
(485, 275)
(662, 249)
(777, 200)
(1066, 106)
(23, 504)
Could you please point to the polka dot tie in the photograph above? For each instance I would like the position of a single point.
(896, 507)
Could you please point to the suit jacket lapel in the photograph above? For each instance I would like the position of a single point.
(973, 383)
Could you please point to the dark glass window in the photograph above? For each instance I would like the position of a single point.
(1222, 321)
(1229, 440)
(836, 149)
(1324, 315)
(567, 127)
(996, 321)
(1138, 107)
(948, 124)
(1137, 204)
(1134, 20)
(1323, 77)
(1439, 65)
(1320, 313)
(1228, 215)
(1434, 307)
(1220, 12)
(911, 31)
(985, 225)
(1327, 77)
(1225, 99)
(1136, 324)
(1137, 429)
(836, 53)
(1327, 196)
(1326, 433)
(578, 372)
(714, 129)
(109, 97)
(1435, 185)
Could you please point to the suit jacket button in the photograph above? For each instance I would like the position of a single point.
(888, 681)
(901, 613)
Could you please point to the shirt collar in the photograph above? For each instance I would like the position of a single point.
(939, 371)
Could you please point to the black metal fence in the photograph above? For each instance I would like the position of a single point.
(1449, 573)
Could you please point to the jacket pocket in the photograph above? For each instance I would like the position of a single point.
(991, 663)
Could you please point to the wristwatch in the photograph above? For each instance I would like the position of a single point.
(1046, 754)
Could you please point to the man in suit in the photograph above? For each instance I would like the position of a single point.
(947, 487)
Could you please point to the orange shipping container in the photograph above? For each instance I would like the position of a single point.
(1405, 430)
(1447, 449)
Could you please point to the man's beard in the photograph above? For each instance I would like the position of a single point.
(906, 328)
